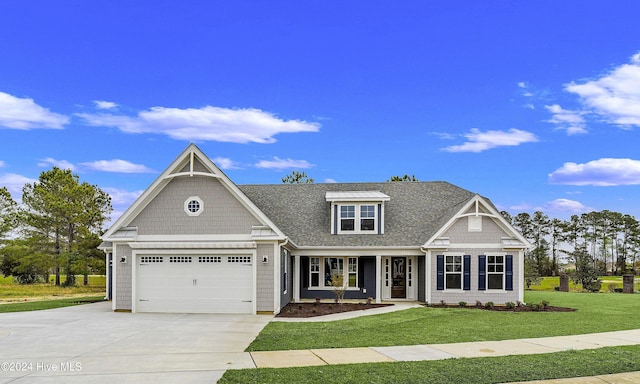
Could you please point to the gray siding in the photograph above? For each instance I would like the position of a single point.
(222, 214)
(264, 278)
(491, 232)
(123, 277)
(470, 296)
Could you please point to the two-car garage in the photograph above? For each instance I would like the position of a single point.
(194, 283)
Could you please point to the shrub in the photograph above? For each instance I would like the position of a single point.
(510, 305)
(536, 307)
(462, 304)
(488, 305)
(544, 303)
(478, 303)
(443, 303)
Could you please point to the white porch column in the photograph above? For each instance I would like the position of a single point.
(427, 276)
(378, 278)
(296, 279)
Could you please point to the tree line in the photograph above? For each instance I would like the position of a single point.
(596, 243)
(55, 230)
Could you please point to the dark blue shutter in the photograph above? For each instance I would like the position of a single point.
(440, 272)
(379, 219)
(508, 283)
(466, 272)
(482, 272)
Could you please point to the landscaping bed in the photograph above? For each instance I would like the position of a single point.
(321, 309)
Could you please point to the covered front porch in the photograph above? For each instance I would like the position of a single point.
(378, 277)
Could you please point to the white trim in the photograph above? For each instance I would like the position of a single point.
(187, 203)
(356, 196)
(277, 289)
(114, 280)
(296, 278)
(379, 279)
(177, 238)
(192, 245)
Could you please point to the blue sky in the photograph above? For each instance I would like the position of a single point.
(534, 104)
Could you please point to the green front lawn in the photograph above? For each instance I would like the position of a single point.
(48, 304)
(455, 371)
(599, 312)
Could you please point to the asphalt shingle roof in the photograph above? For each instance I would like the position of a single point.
(415, 212)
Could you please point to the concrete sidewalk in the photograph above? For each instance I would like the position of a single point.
(300, 358)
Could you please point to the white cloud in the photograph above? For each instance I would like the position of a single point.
(2, 164)
(614, 96)
(522, 84)
(121, 198)
(601, 172)
(25, 114)
(278, 163)
(565, 206)
(330, 181)
(478, 141)
(51, 162)
(14, 184)
(571, 121)
(208, 123)
(116, 165)
(225, 163)
(101, 104)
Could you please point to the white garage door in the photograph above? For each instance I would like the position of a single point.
(194, 284)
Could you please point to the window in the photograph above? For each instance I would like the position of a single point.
(495, 272)
(193, 206)
(329, 268)
(367, 217)
(358, 218)
(332, 266)
(284, 266)
(353, 272)
(314, 272)
(347, 217)
(453, 272)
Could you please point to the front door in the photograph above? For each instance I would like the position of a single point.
(398, 278)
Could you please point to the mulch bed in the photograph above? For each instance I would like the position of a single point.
(321, 309)
(501, 308)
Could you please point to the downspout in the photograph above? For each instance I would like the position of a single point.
(427, 275)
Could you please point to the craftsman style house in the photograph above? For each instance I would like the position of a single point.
(194, 241)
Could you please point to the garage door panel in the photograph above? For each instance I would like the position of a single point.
(195, 284)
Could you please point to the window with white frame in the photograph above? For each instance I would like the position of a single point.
(353, 272)
(361, 218)
(495, 272)
(453, 272)
(314, 272)
(329, 268)
(347, 218)
(193, 206)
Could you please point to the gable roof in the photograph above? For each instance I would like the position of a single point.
(414, 212)
(191, 162)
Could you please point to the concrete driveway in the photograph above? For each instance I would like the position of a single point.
(91, 344)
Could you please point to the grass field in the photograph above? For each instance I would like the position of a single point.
(12, 292)
(596, 312)
(608, 282)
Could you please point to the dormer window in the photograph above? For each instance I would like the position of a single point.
(357, 212)
(357, 218)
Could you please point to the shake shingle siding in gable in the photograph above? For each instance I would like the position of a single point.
(416, 210)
